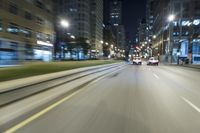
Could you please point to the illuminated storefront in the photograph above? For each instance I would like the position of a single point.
(182, 32)
(12, 52)
(196, 51)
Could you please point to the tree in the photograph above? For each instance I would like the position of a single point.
(106, 50)
(82, 42)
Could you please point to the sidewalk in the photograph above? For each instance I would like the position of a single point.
(196, 66)
(191, 66)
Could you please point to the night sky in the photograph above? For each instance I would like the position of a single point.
(132, 11)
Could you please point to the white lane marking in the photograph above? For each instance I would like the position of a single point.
(156, 76)
(191, 104)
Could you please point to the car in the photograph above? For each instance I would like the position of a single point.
(153, 61)
(137, 61)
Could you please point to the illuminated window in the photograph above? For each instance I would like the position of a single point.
(175, 23)
(27, 32)
(13, 28)
(196, 22)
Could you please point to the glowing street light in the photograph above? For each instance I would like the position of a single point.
(64, 23)
(170, 48)
(72, 36)
(106, 43)
(154, 36)
(171, 17)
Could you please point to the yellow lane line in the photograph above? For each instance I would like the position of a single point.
(32, 118)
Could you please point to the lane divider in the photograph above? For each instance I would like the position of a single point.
(191, 104)
(156, 76)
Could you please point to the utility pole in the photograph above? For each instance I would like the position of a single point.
(190, 43)
(190, 36)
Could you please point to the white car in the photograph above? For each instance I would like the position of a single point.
(153, 61)
(137, 61)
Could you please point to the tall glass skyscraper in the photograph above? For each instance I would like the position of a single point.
(116, 22)
(86, 20)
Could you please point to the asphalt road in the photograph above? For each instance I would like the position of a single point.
(137, 99)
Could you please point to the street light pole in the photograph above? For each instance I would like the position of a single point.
(64, 25)
(190, 42)
(170, 47)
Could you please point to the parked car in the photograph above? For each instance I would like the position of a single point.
(153, 61)
(137, 61)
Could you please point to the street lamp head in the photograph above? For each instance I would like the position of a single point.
(171, 17)
(101, 42)
(64, 23)
(154, 36)
(73, 37)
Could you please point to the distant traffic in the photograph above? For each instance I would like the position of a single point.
(151, 61)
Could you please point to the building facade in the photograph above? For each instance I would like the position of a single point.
(121, 36)
(179, 38)
(110, 42)
(85, 19)
(142, 32)
(115, 19)
(115, 13)
(96, 25)
(26, 30)
(150, 9)
(159, 13)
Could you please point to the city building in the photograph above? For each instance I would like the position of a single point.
(177, 30)
(85, 18)
(26, 30)
(115, 13)
(142, 32)
(97, 26)
(150, 8)
(109, 42)
(160, 17)
(121, 36)
(115, 19)
(143, 39)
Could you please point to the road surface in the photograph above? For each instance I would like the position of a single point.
(137, 99)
